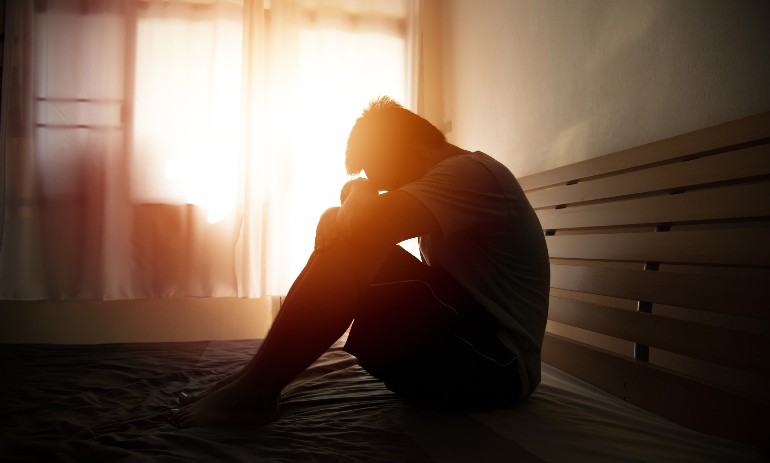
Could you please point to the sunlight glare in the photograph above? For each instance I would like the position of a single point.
(186, 113)
(340, 73)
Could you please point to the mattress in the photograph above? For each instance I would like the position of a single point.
(110, 403)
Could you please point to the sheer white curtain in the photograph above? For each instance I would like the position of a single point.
(183, 148)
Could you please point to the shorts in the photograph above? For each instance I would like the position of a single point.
(419, 332)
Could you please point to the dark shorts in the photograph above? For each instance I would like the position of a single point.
(420, 333)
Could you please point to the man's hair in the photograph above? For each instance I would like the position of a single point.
(387, 127)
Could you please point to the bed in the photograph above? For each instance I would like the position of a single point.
(656, 348)
(110, 403)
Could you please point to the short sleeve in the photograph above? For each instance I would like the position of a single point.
(463, 195)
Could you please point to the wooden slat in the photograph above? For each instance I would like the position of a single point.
(707, 171)
(745, 247)
(729, 203)
(715, 293)
(697, 405)
(748, 130)
(731, 348)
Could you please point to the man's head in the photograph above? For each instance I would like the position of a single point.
(389, 143)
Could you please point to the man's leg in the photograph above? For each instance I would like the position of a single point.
(187, 399)
(409, 307)
(314, 315)
(431, 342)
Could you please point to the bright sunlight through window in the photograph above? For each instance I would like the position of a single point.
(187, 113)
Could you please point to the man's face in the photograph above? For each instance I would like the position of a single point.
(390, 171)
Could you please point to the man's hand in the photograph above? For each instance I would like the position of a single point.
(347, 188)
(372, 220)
(326, 232)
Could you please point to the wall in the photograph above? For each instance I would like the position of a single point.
(136, 320)
(540, 84)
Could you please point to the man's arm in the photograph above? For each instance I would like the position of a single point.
(370, 219)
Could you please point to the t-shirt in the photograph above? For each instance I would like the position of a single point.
(492, 243)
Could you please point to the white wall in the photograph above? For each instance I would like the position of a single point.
(539, 84)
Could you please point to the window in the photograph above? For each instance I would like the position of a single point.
(164, 144)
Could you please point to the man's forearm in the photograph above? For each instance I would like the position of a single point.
(353, 215)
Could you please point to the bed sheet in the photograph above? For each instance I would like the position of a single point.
(110, 403)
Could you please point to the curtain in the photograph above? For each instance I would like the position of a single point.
(183, 148)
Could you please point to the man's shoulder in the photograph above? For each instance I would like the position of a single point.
(491, 163)
(468, 163)
(486, 168)
(464, 174)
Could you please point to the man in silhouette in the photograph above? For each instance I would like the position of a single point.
(460, 329)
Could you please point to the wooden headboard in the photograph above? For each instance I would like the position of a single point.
(660, 269)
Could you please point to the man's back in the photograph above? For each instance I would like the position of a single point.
(491, 242)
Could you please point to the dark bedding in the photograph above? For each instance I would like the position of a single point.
(109, 403)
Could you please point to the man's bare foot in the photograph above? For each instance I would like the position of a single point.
(235, 403)
(187, 399)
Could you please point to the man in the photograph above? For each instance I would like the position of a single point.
(463, 329)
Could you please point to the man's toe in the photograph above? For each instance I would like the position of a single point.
(186, 423)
